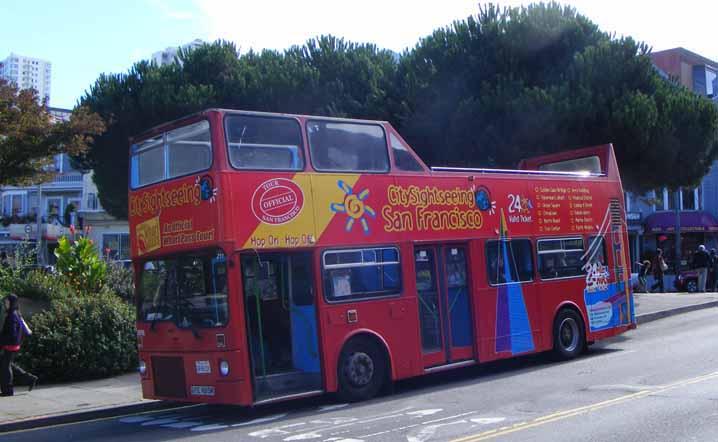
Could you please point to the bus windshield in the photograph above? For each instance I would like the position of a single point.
(189, 290)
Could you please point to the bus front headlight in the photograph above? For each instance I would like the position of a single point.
(142, 367)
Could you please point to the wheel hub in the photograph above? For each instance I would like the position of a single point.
(568, 334)
(359, 369)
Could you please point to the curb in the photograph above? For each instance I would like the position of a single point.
(653, 316)
(83, 416)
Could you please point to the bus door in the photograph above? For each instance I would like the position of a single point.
(443, 291)
(281, 319)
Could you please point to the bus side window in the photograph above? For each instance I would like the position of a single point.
(519, 257)
(361, 273)
(560, 258)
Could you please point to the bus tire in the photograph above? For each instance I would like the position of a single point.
(569, 335)
(362, 370)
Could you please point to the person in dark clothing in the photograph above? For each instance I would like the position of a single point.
(10, 339)
(700, 263)
(3, 260)
(711, 270)
(658, 265)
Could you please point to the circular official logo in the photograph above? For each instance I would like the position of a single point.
(277, 201)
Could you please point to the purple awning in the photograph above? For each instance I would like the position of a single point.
(694, 221)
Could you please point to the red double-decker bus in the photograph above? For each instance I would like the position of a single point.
(280, 256)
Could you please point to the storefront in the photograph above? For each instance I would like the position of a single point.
(635, 237)
(696, 228)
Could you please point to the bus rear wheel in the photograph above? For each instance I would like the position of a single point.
(569, 336)
(362, 370)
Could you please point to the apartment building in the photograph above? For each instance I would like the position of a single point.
(28, 72)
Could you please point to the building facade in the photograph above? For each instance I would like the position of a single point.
(655, 218)
(28, 72)
(169, 55)
(70, 198)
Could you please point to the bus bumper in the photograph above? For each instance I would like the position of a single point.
(211, 378)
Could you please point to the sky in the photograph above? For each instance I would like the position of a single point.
(85, 38)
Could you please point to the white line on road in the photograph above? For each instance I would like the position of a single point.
(211, 427)
(261, 420)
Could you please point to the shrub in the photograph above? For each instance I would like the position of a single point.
(120, 280)
(79, 263)
(36, 284)
(80, 338)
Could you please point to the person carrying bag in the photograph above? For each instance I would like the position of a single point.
(14, 326)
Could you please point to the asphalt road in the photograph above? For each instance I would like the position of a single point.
(657, 383)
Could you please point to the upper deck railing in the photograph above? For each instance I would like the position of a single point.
(518, 171)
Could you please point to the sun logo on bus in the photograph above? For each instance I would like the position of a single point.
(354, 206)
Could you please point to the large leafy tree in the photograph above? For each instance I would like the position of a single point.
(29, 137)
(325, 76)
(486, 91)
(516, 82)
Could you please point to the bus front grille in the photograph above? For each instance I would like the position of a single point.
(168, 373)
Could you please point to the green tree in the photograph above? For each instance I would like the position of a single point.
(325, 76)
(517, 82)
(29, 138)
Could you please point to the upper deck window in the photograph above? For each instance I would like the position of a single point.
(347, 147)
(264, 143)
(403, 160)
(176, 153)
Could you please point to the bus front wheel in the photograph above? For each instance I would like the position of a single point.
(362, 370)
(569, 336)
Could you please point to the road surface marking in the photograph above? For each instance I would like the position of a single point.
(487, 420)
(332, 407)
(560, 415)
(422, 413)
(135, 419)
(183, 425)
(428, 431)
(210, 427)
(261, 420)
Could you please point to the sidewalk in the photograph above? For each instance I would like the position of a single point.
(652, 306)
(55, 404)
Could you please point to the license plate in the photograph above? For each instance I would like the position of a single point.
(202, 367)
(202, 390)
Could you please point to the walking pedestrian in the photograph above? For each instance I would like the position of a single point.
(643, 269)
(700, 263)
(712, 271)
(10, 340)
(659, 267)
(714, 264)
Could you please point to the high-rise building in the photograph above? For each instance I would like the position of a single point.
(169, 55)
(28, 72)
